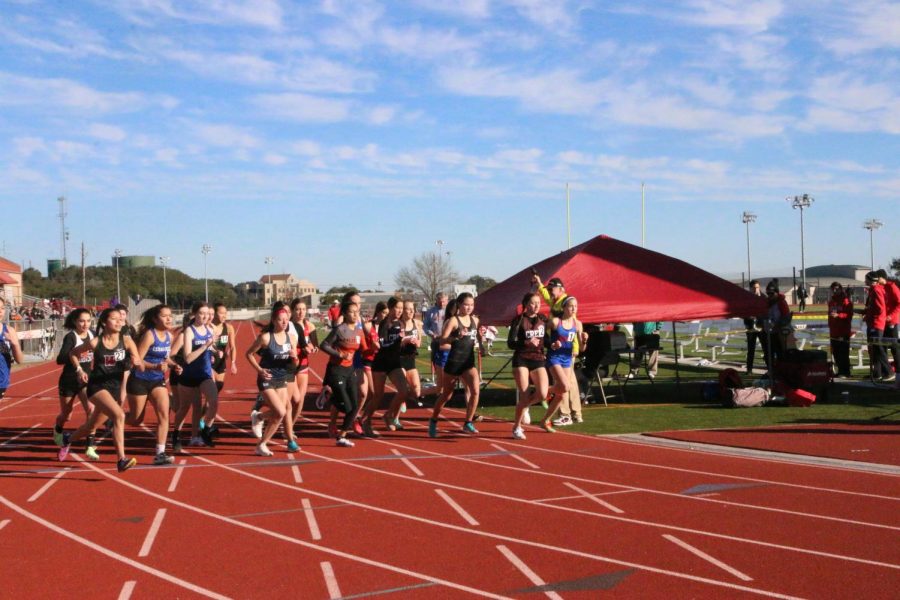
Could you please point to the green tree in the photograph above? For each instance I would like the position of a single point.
(336, 293)
(482, 284)
(895, 266)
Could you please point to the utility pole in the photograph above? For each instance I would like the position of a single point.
(164, 260)
(83, 276)
(801, 202)
(747, 218)
(205, 250)
(269, 261)
(63, 234)
(118, 254)
(872, 225)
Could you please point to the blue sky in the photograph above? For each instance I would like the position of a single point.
(346, 137)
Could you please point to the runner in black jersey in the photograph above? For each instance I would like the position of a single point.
(277, 349)
(78, 322)
(461, 332)
(387, 365)
(528, 336)
(113, 355)
(225, 346)
(413, 332)
(307, 345)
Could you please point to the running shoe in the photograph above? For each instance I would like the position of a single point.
(91, 453)
(518, 433)
(332, 430)
(403, 407)
(64, 449)
(544, 404)
(397, 425)
(176, 442)
(357, 427)
(292, 446)
(547, 426)
(202, 423)
(57, 437)
(345, 442)
(389, 423)
(419, 402)
(206, 436)
(526, 416)
(126, 463)
(196, 442)
(478, 418)
(563, 421)
(214, 430)
(256, 424)
(469, 427)
(263, 450)
(368, 431)
(163, 459)
(578, 418)
(321, 399)
(432, 428)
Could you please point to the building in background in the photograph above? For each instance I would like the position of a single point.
(11, 282)
(286, 287)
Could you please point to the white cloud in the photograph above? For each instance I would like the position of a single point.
(845, 102)
(108, 133)
(266, 14)
(306, 148)
(866, 26)
(276, 160)
(65, 94)
(24, 147)
(303, 107)
(382, 115)
(755, 15)
(225, 136)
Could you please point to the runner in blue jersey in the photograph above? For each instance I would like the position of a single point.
(196, 378)
(566, 334)
(10, 349)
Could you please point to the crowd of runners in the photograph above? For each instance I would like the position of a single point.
(115, 370)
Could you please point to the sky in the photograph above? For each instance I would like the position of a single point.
(345, 137)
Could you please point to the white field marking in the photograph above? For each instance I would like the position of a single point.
(46, 486)
(572, 510)
(526, 570)
(286, 538)
(641, 489)
(459, 509)
(295, 470)
(127, 589)
(334, 591)
(53, 370)
(151, 535)
(111, 553)
(408, 463)
(4, 523)
(177, 476)
(707, 557)
(494, 536)
(36, 394)
(515, 456)
(41, 416)
(15, 437)
(311, 519)
(579, 496)
(589, 496)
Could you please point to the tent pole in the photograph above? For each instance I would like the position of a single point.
(677, 369)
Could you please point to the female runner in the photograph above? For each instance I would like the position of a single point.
(461, 332)
(9, 350)
(78, 322)
(362, 362)
(153, 348)
(196, 379)
(414, 334)
(277, 347)
(307, 345)
(341, 344)
(564, 332)
(386, 364)
(527, 334)
(225, 345)
(113, 354)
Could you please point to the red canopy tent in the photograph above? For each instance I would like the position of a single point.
(617, 282)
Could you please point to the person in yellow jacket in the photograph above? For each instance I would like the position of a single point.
(554, 294)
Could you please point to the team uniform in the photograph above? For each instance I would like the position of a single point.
(525, 354)
(110, 366)
(340, 375)
(69, 382)
(222, 342)
(461, 356)
(303, 331)
(387, 358)
(276, 358)
(141, 383)
(409, 352)
(200, 370)
(6, 360)
(562, 356)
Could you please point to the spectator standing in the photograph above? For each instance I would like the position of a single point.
(802, 295)
(754, 327)
(875, 316)
(892, 308)
(334, 314)
(434, 316)
(840, 317)
(643, 332)
(778, 321)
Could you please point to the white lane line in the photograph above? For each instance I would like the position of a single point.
(177, 476)
(295, 470)
(462, 512)
(334, 591)
(46, 486)
(151, 535)
(515, 456)
(17, 402)
(407, 462)
(311, 519)
(526, 570)
(127, 589)
(4, 523)
(15, 437)
(579, 496)
(707, 557)
(589, 496)
(110, 553)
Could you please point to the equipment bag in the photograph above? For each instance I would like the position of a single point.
(749, 397)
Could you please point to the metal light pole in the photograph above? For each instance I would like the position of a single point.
(872, 225)
(118, 254)
(747, 218)
(269, 261)
(164, 260)
(205, 250)
(801, 202)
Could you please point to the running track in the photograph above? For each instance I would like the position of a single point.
(558, 516)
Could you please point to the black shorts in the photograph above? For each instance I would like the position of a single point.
(142, 387)
(113, 386)
(386, 364)
(192, 382)
(70, 387)
(531, 365)
(275, 383)
(218, 365)
(408, 362)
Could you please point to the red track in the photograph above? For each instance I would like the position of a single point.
(561, 515)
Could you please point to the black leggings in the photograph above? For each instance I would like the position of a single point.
(344, 392)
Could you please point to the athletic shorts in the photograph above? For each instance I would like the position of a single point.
(562, 360)
(192, 382)
(530, 364)
(275, 383)
(386, 364)
(408, 362)
(142, 387)
(439, 358)
(218, 365)
(113, 386)
(70, 387)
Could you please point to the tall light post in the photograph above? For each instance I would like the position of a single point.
(747, 218)
(118, 254)
(872, 225)
(164, 260)
(801, 202)
(206, 249)
(269, 261)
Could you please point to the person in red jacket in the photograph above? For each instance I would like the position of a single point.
(840, 316)
(892, 308)
(875, 316)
